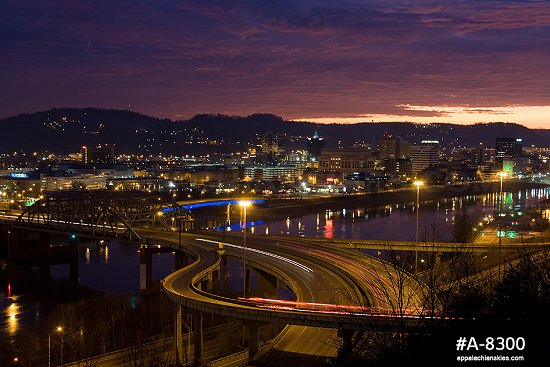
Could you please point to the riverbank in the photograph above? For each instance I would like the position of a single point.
(283, 208)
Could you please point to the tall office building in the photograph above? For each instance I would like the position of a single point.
(402, 148)
(314, 146)
(387, 147)
(102, 153)
(508, 153)
(424, 154)
(478, 155)
(393, 148)
(270, 148)
(508, 147)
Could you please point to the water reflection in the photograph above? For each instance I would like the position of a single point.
(12, 312)
(28, 292)
(113, 268)
(397, 221)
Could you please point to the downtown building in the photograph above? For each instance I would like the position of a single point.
(393, 147)
(394, 152)
(102, 153)
(508, 154)
(270, 149)
(314, 146)
(424, 155)
(285, 173)
(346, 161)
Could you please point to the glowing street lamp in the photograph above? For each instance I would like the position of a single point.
(417, 184)
(501, 174)
(58, 329)
(244, 204)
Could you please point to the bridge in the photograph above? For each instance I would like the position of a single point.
(339, 293)
(436, 246)
(322, 279)
(212, 202)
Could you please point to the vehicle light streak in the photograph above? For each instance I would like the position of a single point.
(382, 289)
(295, 263)
(325, 307)
(374, 281)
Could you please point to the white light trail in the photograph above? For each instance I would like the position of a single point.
(295, 263)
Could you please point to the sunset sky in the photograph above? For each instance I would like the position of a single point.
(326, 61)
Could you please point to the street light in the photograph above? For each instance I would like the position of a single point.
(417, 184)
(501, 174)
(244, 205)
(58, 329)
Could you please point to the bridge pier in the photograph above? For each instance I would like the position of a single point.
(217, 273)
(247, 283)
(206, 284)
(267, 284)
(27, 244)
(223, 272)
(216, 281)
(178, 336)
(198, 347)
(44, 270)
(181, 260)
(346, 335)
(253, 339)
(145, 268)
(73, 270)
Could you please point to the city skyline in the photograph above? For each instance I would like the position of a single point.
(428, 61)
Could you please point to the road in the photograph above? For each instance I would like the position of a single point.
(336, 276)
(318, 274)
(300, 345)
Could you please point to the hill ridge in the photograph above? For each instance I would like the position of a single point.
(64, 130)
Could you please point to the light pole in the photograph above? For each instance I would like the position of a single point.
(418, 184)
(58, 329)
(244, 205)
(502, 175)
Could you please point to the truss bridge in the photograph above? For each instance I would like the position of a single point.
(101, 214)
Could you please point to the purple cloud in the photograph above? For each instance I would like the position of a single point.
(296, 59)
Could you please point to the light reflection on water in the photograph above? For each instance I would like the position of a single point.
(12, 314)
(29, 292)
(398, 221)
(113, 268)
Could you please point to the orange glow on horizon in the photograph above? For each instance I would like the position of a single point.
(534, 117)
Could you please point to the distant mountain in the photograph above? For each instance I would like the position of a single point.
(543, 133)
(450, 135)
(64, 130)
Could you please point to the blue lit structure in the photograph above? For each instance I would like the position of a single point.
(212, 203)
(239, 226)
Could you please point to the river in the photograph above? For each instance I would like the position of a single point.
(27, 294)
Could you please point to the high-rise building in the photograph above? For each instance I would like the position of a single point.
(314, 146)
(508, 152)
(402, 148)
(393, 148)
(424, 154)
(270, 148)
(387, 147)
(508, 147)
(102, 153)
(479, 155)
